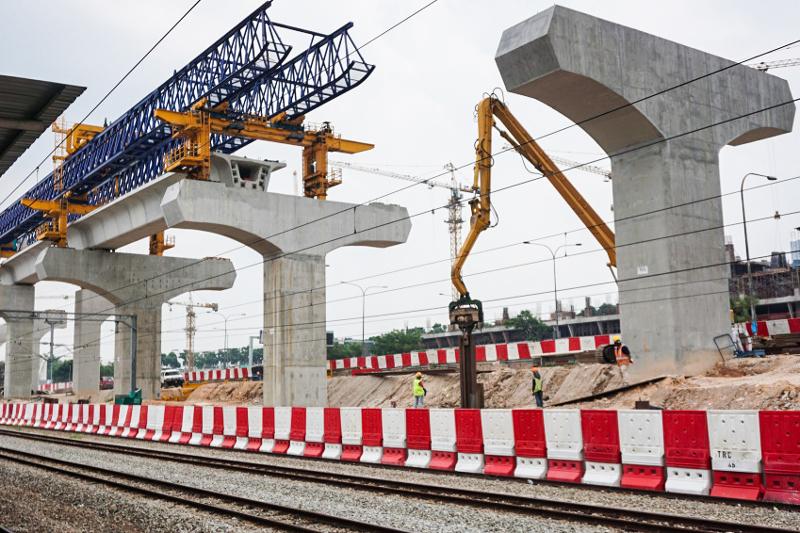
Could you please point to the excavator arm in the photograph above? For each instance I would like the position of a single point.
(525, 145)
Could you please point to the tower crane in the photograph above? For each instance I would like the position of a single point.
(764, 66)
(191, 325)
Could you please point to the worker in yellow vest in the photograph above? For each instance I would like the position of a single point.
(536, 387)
(419, 391)
(623, 357)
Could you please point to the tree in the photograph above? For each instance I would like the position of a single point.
(170, 360)
(607, 309)
(62, 370)
(397, 341)
(741, 308)
(532, 328)
(343, 350)
(438, 328)
(107, 370)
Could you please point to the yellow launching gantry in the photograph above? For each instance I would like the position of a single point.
(57, 211)
(465, 312)
(195, 127)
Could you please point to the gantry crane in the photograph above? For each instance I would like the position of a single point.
(191, 325)
(465, 312)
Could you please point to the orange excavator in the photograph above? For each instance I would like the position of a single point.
(467, 313)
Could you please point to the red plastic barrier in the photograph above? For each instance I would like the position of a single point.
(600, 436)
(642, 477)
(529, 440)
(297, 430)
(548, 346)
(394, 456)
(406, 359)
(139, 425)
(469, 431)
(351, 452)
(686, 439)
(780, 453)
(574, 344)
(371, 427)
(443, 460)
(499, 465)
(229, 437)
(794, 325)
(333, 426)
(418, 429)
(268, 423)
(242, 423)
(738, 485)
(564, 471)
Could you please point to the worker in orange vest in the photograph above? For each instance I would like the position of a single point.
(622, 355)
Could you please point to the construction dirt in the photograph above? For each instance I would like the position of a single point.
(768, 383)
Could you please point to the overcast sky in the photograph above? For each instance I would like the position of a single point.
(417, 108)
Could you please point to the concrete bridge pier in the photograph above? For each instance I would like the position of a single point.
(664, 149)
(41, 330)
(134, 285)
(20, 346)
(86, 344)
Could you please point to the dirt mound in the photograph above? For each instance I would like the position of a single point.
(234, 392)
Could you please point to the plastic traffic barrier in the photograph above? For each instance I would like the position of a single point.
(228, 433)
(255, 429)
(182, 430)
(153, 423)
(393, 426)
(418, 436)
(332, 435)
(267, 419)
(529, 443)
(735, 442)
(283, 429)
(242, 428)
(780, 450)
(498, 442)
(562, 428)
(601, 449)
(687, 453)
(443, 439)
(352, 435)
(297, 433)
(641, 435)
(372, 435)
(469, 441)
(315, 431)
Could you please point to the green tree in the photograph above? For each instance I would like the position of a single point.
(741, 308)
(62, 370)
(343, 350)
(533, 329)
(397, 341)
(107, 370)
(607, 309)
(438, 328)
(170, 360)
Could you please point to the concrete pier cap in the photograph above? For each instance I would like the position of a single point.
(673, 289)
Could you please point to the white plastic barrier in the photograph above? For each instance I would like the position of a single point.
(283, 423)
(351, 425)
(562, 429)
(641, 437)
(688, 481)
(116, 425)
(187, 421)
(206, 425)
(471, 463)
(297, 447)
(443, 430)
(155, 423)
(393, 425)
(735, 441)
(255, 431)
(498, 432)
(228, 426)
(604, 474)
(72, 417)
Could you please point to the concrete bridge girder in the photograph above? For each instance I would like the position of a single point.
(584, 66)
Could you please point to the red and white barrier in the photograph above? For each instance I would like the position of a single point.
(217, 374)
(771, 328)
(735, 442)
(750, 452)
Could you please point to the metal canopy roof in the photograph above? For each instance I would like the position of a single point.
(27, 108)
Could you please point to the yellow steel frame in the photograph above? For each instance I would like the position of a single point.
(521, 140)
(57, 211)
(160, 243)
(195, 127)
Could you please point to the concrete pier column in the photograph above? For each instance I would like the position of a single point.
(619, 85)
(148, 350)
(20, 346)
(86, 345)
(294, 331)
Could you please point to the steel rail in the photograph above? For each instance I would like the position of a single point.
(561, 510)
(35, 460)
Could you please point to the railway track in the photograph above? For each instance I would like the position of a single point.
(269, 515)
(625, 519)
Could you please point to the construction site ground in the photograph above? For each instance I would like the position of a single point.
(772, 382)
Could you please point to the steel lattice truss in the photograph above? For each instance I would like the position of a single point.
(247, 68)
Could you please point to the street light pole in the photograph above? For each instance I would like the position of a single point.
(225, 340)
(747, 249)
(553, 253)
(363, 310)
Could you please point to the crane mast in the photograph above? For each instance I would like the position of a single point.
(191, 326)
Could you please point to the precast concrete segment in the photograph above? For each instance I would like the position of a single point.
(583, 66)
(86, 345)
(20, 347)
(135, 285)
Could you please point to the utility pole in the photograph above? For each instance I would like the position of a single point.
(556, 332)
(363, 310)
(753, 319)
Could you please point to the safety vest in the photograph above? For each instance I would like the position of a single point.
(537, 384)
(621, 357)
(418, 390)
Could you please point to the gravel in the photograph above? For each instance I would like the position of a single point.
(34, 500)
(388, 510)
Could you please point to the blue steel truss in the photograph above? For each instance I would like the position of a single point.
(247, 68)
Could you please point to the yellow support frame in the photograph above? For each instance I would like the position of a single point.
(57, 211)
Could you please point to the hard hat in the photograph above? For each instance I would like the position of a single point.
(419, 374)
(534, 369)
(617, 338)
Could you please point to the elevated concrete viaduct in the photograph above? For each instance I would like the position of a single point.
(673, 291)
(293, 234)
(41, 329)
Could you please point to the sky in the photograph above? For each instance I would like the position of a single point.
(418, 109)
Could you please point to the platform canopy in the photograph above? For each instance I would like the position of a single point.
(27, 108)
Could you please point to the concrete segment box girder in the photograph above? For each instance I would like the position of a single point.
(673, 290)
(135, 285)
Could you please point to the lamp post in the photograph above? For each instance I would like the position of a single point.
(363, 309)
(747, 249)
(553, 254)
(225, 341)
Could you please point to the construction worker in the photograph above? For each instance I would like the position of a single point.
(536, 387)
(419, 391)
(622, 355)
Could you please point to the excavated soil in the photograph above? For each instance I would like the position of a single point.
(768, 383)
